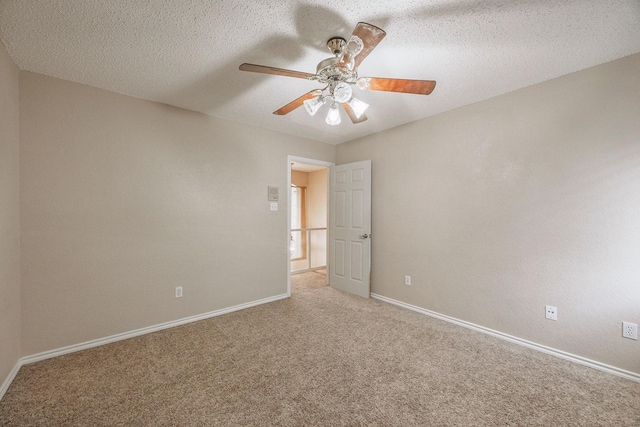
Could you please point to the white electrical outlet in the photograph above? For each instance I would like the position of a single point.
(630, 330)
(551, 312)
(407, 280)
(178, 291)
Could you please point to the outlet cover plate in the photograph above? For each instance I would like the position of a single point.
(630, 330)
(551, 312)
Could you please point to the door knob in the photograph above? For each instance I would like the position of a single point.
(365, 236)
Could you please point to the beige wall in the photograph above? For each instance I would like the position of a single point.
(531, 198)
(494, 209)
(124, 199)
(9, 216)
(317, 214)
(317, 199)
(299, 178)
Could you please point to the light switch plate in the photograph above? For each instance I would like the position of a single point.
(273, 206)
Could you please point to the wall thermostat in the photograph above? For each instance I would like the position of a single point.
(273, 194)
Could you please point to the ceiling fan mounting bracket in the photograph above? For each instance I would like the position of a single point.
(336, 45)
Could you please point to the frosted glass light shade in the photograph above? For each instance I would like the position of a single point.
(342, 92)
(333, 116)
(358, 106)
(313, 105)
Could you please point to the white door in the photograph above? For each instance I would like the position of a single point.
(350, 227)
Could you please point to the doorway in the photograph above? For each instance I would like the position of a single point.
(307, 202)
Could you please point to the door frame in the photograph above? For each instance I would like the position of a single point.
(296, 159)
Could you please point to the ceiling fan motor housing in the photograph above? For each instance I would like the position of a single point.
(331, 71)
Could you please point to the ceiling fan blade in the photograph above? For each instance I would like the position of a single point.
(420, 87)
(370, 36)
(297, 102)
(352, 115)
(275, 71)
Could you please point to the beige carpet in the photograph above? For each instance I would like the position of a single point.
(321, 357)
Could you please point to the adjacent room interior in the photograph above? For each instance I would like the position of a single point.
(136, 157)
(308, 217)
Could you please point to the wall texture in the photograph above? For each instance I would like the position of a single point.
(9, 216)
(531, 198)
(124, 199)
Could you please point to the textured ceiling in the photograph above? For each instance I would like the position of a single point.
(187, 52)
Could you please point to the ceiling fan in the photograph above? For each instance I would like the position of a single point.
(339, 73)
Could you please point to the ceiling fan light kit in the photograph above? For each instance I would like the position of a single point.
(313, 105)
(333, 116)
(358, 106)
(342, 92)
(339, 73)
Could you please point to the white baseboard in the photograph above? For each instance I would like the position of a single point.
(119, 337)
(7, 382)
(539, 347)
(123, 336)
